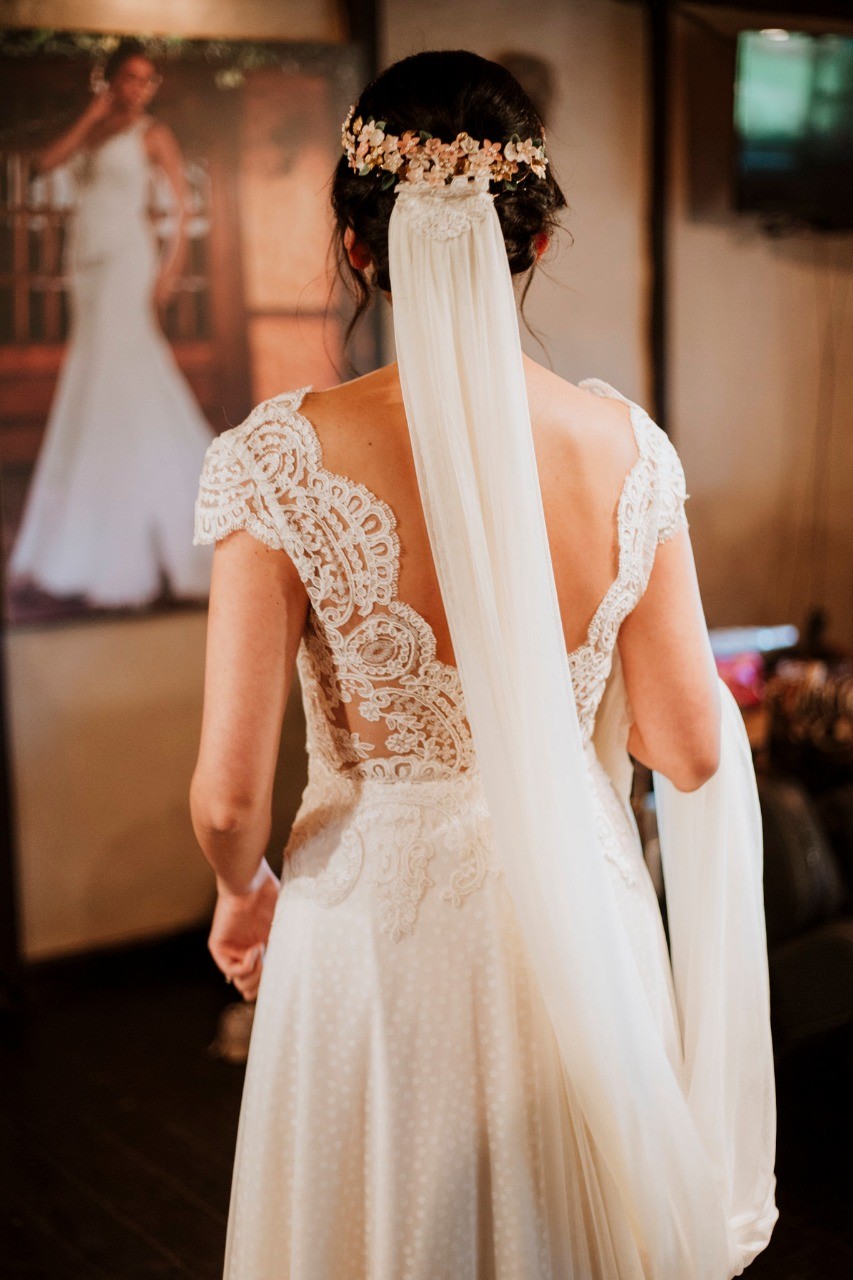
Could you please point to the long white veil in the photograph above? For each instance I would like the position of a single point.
(679, 1157)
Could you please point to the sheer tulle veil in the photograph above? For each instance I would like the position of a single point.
(678, 1155)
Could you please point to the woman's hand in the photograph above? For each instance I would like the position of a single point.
(241, 928)
(99, 106)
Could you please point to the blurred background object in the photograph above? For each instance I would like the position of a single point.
(104, 703)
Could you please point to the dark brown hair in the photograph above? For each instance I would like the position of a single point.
(445, 93)
(123, 52)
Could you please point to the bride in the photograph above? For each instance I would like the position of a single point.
(472, 1056)
(108, 514)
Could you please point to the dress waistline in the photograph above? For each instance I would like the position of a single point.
(422, 779)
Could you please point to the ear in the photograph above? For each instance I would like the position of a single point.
(541, 244)
(357, 252)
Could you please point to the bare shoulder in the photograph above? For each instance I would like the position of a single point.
(363, 394)
(159, 139)
(358, 414)
(573, 422)
(574, 428)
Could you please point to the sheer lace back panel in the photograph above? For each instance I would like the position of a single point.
(378, 702)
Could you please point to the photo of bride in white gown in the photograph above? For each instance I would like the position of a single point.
(108, 513)
(473, 1055)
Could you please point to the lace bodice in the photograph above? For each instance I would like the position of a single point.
(378, 703)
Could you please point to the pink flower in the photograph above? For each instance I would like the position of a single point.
(371, 135)
(368, 146)
(466, 144)
(518, 150)
(415, 169)
(527, 153)
(479, 162)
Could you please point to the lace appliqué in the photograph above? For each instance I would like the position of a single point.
(650, 508)
(364, 649)
(336, 879)
(477, 860)
(229, 498)
(671, 489)
(325, 851)
(391, 836)
(451, 818)
(401, 877)
(443, 213)
(611, 823)
(361, 646)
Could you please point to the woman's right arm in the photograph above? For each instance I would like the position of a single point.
(256, 617)
(63, 148)
(670, 674)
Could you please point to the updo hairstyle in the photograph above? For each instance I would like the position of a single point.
(445, 93)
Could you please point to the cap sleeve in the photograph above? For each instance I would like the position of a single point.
(230, 494)
(672, 490)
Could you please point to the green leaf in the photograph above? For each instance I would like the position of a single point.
(424, 136)
(365, 168)
(388, 181)
(380, 124)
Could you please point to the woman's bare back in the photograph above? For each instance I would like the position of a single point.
(585, 447)
(329, 477)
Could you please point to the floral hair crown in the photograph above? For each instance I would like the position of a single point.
(419, 157)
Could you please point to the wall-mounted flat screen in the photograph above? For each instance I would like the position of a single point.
(794, 126)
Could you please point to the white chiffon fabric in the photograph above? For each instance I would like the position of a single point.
(711, 847)
(677, 1155)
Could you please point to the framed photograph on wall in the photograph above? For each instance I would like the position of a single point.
(164, 265)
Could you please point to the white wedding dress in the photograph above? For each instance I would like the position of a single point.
(404, 1114)
(109, 510)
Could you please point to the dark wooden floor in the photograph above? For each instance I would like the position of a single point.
(119, 1123)
(118, 1129)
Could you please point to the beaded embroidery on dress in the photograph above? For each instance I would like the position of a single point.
(401, 1058)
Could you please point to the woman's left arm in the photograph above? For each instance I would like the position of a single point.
(256, 617)
(164, 150)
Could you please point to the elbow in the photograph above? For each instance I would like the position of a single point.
(219, 821)
(216, 811)
(697, 767)
(694, 777)
(700, 746)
